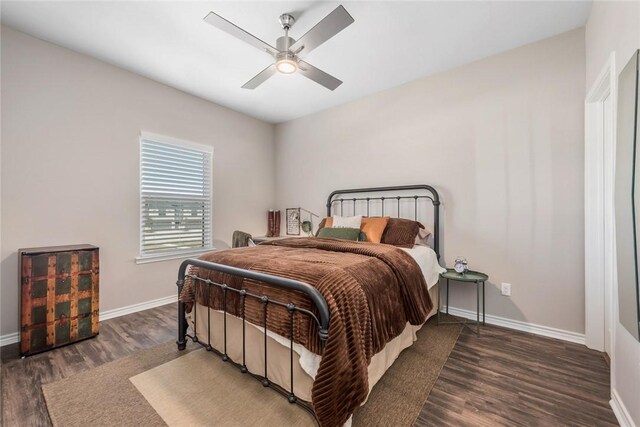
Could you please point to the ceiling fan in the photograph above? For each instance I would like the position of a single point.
(287, 53)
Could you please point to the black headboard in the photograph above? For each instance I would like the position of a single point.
(403, 193)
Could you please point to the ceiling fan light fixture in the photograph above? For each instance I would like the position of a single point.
(287, 49)
(286, 66)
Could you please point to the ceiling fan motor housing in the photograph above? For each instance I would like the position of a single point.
(283, 43)
(286, 21)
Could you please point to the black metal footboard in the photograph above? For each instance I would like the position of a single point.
(322, 320)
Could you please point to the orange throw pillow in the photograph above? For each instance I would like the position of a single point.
(374, 228)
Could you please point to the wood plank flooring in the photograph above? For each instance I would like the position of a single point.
(22, 400)
(509, 378)
(503, 377)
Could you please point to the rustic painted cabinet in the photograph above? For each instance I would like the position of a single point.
(59, 296)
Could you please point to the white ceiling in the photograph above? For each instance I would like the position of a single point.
(390, 43)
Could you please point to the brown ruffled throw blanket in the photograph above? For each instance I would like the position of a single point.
(372, 291)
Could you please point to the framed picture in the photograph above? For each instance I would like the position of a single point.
(293, 221)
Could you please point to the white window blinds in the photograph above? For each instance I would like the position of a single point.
(175, 196)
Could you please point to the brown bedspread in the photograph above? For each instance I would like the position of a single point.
(372, 291)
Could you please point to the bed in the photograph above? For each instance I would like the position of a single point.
(318, 320)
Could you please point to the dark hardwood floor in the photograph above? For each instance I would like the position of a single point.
(509, 378)
(22, 400)
(503, 377)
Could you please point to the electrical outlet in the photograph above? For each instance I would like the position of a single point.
(506, 289)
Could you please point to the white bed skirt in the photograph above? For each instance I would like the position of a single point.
(305, 363)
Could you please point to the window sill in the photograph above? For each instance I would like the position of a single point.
(166, 257)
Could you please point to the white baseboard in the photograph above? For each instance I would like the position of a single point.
(117, 312)
(9, 339)
(620, 411)
(545, 331)
(105, 315)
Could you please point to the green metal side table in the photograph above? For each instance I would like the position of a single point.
(468, 277)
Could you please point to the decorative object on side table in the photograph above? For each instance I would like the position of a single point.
(460, 265)
(467, 276)
(293, 221)
(59, 296)
(270, 222)
(307, 225)
(276, 223)
(273, 223)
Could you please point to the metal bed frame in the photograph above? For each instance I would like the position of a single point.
(320, 314)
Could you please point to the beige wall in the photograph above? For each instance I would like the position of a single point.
(612, 26)
(70, 127)
(615, 27)
(501, 139)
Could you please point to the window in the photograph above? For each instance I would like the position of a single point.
(175, 197)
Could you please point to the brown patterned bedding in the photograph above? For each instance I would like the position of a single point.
(372, 291)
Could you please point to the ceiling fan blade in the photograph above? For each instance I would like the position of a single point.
(260, 78)
(230, 28)
(318, 76)
(330, 25)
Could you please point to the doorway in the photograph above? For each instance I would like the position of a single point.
(608, 142)
(600, 267)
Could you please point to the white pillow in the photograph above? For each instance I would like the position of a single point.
(424, 238)
(347, 221)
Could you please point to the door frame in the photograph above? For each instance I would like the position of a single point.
(600, 262)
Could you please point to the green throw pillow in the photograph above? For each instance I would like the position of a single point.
(340, 233)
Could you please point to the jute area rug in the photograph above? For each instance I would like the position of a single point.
(150, 388)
